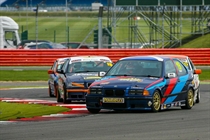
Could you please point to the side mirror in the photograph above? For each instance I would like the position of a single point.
(197, 71)
(50, 71)
(171, 75)
(60, 71)
(101, 73)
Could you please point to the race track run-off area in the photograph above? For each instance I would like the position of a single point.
(75, 109)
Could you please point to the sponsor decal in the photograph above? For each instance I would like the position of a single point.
(104, 83)
(105, 60)
(131, 79)
(85, 74)
(176, 104)
(61, 62)
(73, 61)
(92, 77)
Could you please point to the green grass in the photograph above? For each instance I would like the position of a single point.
(200, 42)
(23, 75)
(205, 75)
(11, 111)
(41, 75)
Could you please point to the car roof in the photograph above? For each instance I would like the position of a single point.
(85, 58)
(147, 57)
(89, 58)
(173, 56)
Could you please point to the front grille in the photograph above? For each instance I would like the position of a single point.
(77, 96)
(119, 92)
(114, 92)
(109, 92)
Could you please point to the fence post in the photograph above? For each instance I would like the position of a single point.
(54, 35)
(68, 34)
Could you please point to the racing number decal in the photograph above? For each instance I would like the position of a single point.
(178, 66)
(186, 64)
(109, 64)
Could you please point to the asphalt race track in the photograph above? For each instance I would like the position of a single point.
(173, 124)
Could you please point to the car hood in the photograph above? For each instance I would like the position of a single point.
(82, 77)
(125, 81)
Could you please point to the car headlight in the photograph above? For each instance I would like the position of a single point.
(95, 91)
(136, 92)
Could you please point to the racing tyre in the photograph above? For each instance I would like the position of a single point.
(59, 97)
(198, 97)
(65, 101)
(156, 101)
(189, 100)
(49, 92)
(94, 111)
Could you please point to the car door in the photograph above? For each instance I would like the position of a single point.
(183, 82)
(177, 86)
(183, 76)
(170, 82)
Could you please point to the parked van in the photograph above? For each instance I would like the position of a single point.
(9, 36)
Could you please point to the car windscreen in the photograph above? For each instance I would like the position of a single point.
(145, 68)
(89, 66)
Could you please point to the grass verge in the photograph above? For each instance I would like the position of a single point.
(41, 75)
(23, 75)
(11, 111)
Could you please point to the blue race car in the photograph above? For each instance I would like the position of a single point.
(143, 83)
(77, 73)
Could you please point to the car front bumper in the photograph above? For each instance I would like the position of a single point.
(76, 94)
(130, 103)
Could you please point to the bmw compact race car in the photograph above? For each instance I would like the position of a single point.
(53, 76)
(77, 73)
(143, 83)
(189, 64)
